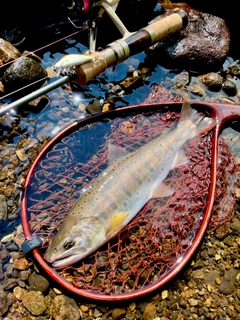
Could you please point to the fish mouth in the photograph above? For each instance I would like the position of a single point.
(63, 260)
(66, 261)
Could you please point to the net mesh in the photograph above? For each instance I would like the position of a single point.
(161, 233)
(154, 241)
(227, 183)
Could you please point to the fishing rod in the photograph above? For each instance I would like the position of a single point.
(113, 54)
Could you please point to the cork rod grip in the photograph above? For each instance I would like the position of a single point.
(165, 27)
(88, 71)
(121, 49)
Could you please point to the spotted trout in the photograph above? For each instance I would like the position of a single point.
(122, 189)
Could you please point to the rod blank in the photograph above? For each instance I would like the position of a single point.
(114, 53)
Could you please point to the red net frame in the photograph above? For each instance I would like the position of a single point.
(158, 242)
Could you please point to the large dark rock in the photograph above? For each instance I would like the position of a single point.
(228, 11)
(21, 73)
(201, 46)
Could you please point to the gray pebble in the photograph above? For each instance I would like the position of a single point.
(38, 283)
(64, 308)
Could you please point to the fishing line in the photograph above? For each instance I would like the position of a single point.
(117, 52)
(46, 46)
(30, 53)
(22, 88)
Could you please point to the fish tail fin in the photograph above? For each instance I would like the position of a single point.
(200, 124)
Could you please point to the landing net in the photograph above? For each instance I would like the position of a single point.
(227, 184)
(162, 232)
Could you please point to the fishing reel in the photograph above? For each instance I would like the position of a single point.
(93, 12)
(142, 11)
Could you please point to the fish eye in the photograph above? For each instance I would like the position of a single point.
(68, 244)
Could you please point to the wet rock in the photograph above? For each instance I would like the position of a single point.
(149, 312)
(97, 313)
(19, 292)
(107, 107)
(15, 255)
(63, 308)
(229, 87)
(131, 83)
(3, 207)
(35, 302)
(38, 283)
(179, 89)
(132, 306)
(20, 264)
(116, 89)
(197, 264)
(19, 237)
(228, 281)
(45, 132)
(235, 225)
(228, 241)
(193, 302)
(1, 89)
(210, 277)
(182, 78)
(234, 70)
(3, 252)
(196, 89)
(38, 104)
(188, 293)
(9, 283)
(202, 45)
(165, 294)
(7, 238)
(7, 52)
(94, 107)
(23, 276)
(223, 230)
(21, 154)
(118, 313)
(8, 269)
(6, 301)
(229, 12)
(21, 73)
(218, 280)
(213, 81)
(84, 308)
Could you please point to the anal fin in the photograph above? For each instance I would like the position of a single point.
(180, 159)
(162, 190)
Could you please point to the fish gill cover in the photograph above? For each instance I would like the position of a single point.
(161, 233)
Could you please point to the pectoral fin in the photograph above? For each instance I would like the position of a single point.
(116, 223)
(162, 190)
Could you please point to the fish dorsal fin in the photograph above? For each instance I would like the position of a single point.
(180, 159)
(115, 152)
(116, 224)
